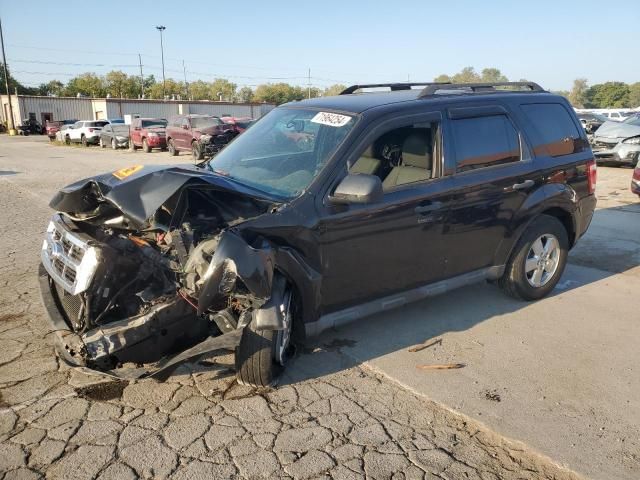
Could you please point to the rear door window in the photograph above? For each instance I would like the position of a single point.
(484, 141)
(557, 134)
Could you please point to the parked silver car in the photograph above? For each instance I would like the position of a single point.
(618, 142)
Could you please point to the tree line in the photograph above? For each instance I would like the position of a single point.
(118, 84)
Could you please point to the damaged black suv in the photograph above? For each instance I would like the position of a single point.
(323, 212)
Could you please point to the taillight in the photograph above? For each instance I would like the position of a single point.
(592, 175)
(636, 173)
(91, 129)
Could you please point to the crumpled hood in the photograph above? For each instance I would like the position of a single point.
(139, 191)
(618, 130)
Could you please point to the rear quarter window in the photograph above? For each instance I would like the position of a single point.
(556, 134)
(484, 142)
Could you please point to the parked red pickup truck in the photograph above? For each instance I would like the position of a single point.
(52, 127)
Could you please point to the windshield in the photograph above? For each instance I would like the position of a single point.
(283, 152)
(157, 123)
(205, 122)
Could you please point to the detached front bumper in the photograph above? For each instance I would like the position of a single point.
(94, 349)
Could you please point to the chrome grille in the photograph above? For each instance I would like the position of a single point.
(68, 258)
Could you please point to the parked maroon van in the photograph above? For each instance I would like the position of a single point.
(148, 133)
(202, 135)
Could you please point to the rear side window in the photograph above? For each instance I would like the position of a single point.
(97, 124)
(557, 134)
(484, 142)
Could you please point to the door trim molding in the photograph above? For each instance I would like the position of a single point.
(351, 314)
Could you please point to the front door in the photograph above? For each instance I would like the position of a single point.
(372, 251)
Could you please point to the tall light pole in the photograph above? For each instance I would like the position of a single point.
(10, 124)
(162, 28)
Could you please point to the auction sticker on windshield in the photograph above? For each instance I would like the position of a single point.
(126, 172)
(331, 119)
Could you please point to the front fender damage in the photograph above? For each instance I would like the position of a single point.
(236, 261)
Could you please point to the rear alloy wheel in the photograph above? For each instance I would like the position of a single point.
(84, 142)
(196, 152)
(262, 354)
(114, 145)
(145, 146)
(537, 261)
(172, 148)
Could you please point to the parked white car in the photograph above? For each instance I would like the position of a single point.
(62, 135)
(86, 132)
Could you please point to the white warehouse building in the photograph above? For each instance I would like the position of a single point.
(42, 108)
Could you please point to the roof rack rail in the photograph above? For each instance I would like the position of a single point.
(393, 86)
(432, 89)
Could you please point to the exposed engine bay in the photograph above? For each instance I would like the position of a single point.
(134, 289)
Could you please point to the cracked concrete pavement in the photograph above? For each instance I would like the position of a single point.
(330, 418)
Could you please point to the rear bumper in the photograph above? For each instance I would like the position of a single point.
(635, 186)
(585, 210)
(87, 350)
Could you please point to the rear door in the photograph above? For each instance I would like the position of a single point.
(493, 172)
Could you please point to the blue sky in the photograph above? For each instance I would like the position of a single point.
(345, 41)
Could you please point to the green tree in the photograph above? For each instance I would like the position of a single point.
(224, 87)
(278, 93)
(577, 96)
(466, 75)
(492, 75)
(54, 87)
(608, 95)
(245, 95)
(120, 85)
(173, 89)
(333, 90)
(87, 84)
(200, 90)
(442, 78)
(634, 95)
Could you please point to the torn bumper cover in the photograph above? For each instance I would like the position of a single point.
(94, 349)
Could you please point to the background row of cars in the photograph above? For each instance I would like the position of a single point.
(200, 135)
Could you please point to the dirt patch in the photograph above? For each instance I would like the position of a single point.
(8, 317)
(102, 391)
(492, 395)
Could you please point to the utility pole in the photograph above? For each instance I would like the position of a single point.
(141, 77)
(10, 122)
(186, 85)
(162, 28)
(309, 83)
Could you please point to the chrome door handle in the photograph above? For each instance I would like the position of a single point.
(428, 208)
(524, 185)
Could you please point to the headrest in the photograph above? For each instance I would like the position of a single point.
(416, 151)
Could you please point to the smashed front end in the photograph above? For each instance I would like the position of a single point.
(132, 293)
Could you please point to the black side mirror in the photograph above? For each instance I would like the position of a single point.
(357, 188)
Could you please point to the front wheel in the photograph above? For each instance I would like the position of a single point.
(262, 354)
(84, 142)
(537, 261)
(114, 145)
(145, 146)
(102, 145)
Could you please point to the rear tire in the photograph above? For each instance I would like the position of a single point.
(145, 146)
(172, 148)
(83, 140)
(538, 260)
(67, 140)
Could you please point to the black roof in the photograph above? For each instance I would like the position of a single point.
(359, 102)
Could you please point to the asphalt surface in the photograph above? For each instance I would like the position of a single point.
(339, 413)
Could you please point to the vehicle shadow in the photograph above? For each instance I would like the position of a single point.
(460, 310)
